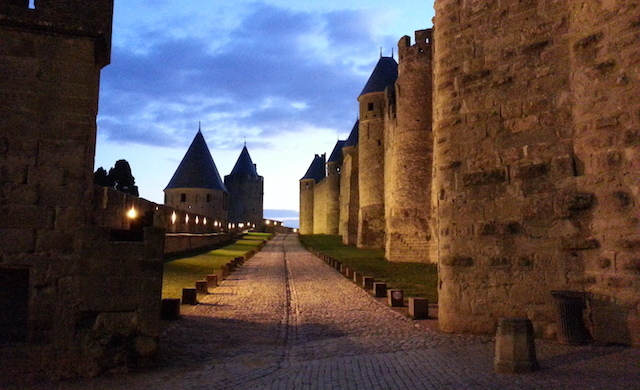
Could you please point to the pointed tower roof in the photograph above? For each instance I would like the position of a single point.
(384, 74)
(352, 140)
(244, 165)
(317, 169)
(336, 154)
(197, 169)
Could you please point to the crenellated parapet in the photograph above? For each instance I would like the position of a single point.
(84, 18)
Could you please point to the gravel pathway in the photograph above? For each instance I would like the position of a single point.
(285, 320)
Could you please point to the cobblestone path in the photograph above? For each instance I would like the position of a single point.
(285, 320)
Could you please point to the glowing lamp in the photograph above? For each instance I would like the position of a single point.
(132, 213)
(173, 217)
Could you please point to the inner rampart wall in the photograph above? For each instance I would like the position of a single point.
(536, 136)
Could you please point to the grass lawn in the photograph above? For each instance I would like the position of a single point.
(181, 273)
(415, 279)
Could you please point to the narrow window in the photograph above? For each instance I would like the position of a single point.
(208, 198)
(32, 4)
(370, 106)
(183, 198)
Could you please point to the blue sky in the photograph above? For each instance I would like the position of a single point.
(284, 75)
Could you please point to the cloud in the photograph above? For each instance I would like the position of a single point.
(273, 71)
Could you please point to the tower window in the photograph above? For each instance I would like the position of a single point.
(208, 198)
(370, 106)
(183, 198)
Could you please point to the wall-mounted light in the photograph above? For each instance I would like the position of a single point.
(268, 222)
(197, 220)
(241, 225)
(132, 213)
(173, 217)
(204, 220)
(186, 218)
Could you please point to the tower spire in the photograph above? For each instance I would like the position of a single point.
(199, 126)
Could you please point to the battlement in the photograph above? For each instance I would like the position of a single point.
(85, 18)
(422, 46)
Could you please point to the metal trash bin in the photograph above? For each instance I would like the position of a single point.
(571, 327)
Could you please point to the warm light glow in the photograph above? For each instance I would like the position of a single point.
(268, 222)
(295, 230)
(132, 213)
(186, 218)
(229, 226)
(241, 225)
(173, 217)
(204, 220)
(197, 220)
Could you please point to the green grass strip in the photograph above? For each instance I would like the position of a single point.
(415, 279)
(184, 272)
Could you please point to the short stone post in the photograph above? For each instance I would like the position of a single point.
(338, 266)
(418, 308)
(380, 289)
(357, 278)
(189, 296)
(201, 287)
(515, 346)
(348, 273)
(367, 282)
(170, 309)
(212, 281)
(220, 274)
(395, 297)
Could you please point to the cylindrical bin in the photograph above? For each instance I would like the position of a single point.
(571, 327)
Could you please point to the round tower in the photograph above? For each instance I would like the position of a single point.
(409, 153)
(196, 185)
(246, 191)
(334, 164)
(371, 221)
(314, 174)
(349, 194)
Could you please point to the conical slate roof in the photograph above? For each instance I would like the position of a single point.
(336, 155)
(244, 165)
(197, 169)
(352, 140)
(384, 75)
(316, 170)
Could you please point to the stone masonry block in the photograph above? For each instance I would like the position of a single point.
(24, 217)
(17, 240)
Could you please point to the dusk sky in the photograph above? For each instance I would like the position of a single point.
(284, 75)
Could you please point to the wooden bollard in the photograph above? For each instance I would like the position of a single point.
(357, 278)
(380, 289)
(395, 297)
(189, 296)
(367, 282)
(170, 309)
(202, 287)
(212, 281)
(515, 347)
(418, 308)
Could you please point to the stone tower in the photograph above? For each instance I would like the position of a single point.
(334, 164)
(349, 193)
(408, 154)
(536, 162)
(196, 185)
(246, 190)
(58, 271)
(315, 174)
(371, 221)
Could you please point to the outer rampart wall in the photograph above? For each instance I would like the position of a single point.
(307, 187)
(320, 206)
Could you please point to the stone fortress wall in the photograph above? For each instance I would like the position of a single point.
(60, 272)
(526, 179)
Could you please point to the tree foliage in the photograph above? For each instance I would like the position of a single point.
(119, 177)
